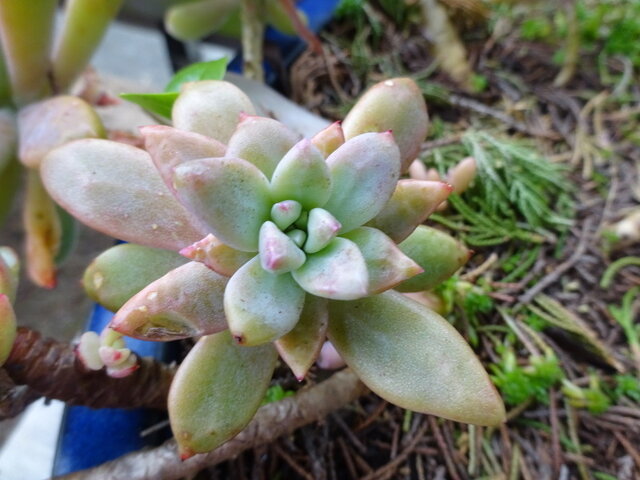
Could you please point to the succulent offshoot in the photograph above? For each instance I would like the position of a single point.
(106, 350)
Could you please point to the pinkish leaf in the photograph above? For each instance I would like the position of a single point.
(261, 141)
(410, 205)
(229, 195)
(386, 264)
(364, 173)
(186, 302)
(261, 306)
(322, 227)
(115, 189)
(413, 358)
(170, 147)
(285, 213)
(397, 105)
(337, 272)
(278, 253)
(211, 108)
(219, 257)
(329, 139)
(300, 347)
(50, 123)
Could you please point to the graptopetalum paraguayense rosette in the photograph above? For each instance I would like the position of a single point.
(291, 241)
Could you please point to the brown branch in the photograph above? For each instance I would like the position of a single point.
(50, 369)
(271, 421)
(14, 399)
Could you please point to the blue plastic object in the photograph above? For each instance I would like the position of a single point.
(90, 437)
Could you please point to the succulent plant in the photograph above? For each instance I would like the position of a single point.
(291, 241)
(195, 20)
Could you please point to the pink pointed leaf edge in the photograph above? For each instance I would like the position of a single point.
(414, 358)
(364, 173)
(410, 205)
(115, 189)
(386, 264)
(186, 302)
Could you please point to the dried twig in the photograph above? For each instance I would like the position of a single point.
(271, 421)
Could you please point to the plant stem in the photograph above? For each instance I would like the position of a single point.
(50, 369)
(5, 87)
(26, 29)
(252, 38)
(272, 421)
(85, 22)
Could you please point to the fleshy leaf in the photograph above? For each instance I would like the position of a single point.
(302, 175)
(410, 205)
(437, 252)
(322, 227)
(194, 20)
(329, 358)
(462, 174)
(285, 213)
(186, 302)
(7, 327)
(386, 264)
(413, 358)
(115, 189)
(397, 105)
(216, 255)
(261, 141)
(211, 108)
(53, 122)
(120, 272)
(43, 232)
(329, 139)
(229, 195)
(9, 272)
(278, 253)
(364, 173)
(261, 306)
(300, 347)
(170, 147)
(337, 272)
(216, 391)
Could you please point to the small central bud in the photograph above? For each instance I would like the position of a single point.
(278, 252)
(285, 213)
(322, 227)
